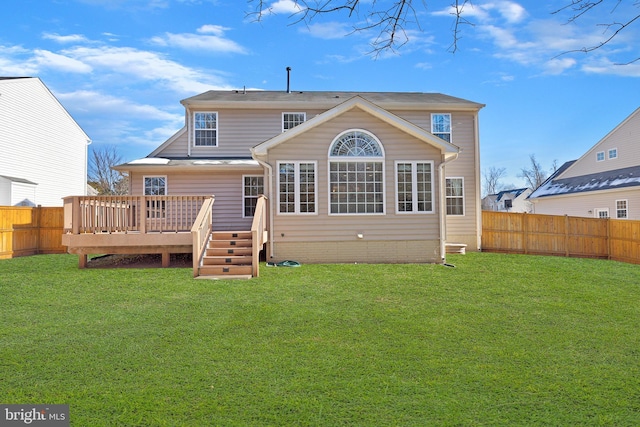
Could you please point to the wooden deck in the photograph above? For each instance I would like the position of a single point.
(149, 225)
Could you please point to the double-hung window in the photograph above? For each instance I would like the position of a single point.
(253, 187)
(454, 192)
(441, 126)
(297, 187)
(155, 186)
(621, 209)
(291, 120)
(205, 129)
(414, 192)
(356, 174)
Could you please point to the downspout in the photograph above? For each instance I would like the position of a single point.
(443, 207)
(271, 201)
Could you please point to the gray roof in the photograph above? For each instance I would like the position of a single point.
(516, 193)
(332, 98)
(607, 180)
(19, 180)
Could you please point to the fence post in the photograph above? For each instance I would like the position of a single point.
(566, 235)
(525, 233)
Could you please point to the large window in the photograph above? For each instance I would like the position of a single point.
(414, 187)
(441, 126)
(291, 120)
(155, 186)
(297, 187)
(454, 192)
(356, 174)
(253, 188)
(621, 209)
(205, 129)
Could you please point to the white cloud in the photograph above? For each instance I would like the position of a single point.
(606, 66)
(559, 65)
(328, 30)
(70, 38)
(284, 6)
(211, 38)
(63, 63)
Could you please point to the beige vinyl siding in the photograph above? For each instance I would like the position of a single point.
(624, 138)
(297, 231)
(239, 131)
(581, 204)
(177, 148)
(226, 186)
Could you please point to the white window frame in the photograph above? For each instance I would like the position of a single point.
(300, 113)
(297, 184)
(195, 129)
(155, 208)
(598, 211)
(613, 151)
(246, 197)
(600, 156)
(447, 197)
(414, 187)
(357, 160)
(439, 132)
(624, 209)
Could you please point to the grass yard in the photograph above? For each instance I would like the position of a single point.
(497, 340)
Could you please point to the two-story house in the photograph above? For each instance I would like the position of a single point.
(513, 200)
(44, 151)
(348, 177)
(603, 183)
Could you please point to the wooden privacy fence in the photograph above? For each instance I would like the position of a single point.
(30, 231)
(537, 234)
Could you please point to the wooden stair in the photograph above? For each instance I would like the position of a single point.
(228, 255)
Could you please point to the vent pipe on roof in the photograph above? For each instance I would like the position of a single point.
(288, 79)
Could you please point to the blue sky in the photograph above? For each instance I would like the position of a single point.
(121, 67)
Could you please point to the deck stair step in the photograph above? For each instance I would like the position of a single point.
(228, 254)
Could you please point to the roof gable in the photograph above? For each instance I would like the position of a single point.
(358, 102)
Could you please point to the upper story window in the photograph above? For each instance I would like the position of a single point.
(613, 153)
(600, 156)
(291, 120)
(205, 129)
(356, 174)
(441, 126)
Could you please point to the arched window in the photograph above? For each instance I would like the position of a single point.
(356, 174)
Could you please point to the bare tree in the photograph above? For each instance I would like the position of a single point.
(579, 8)
(101, 175)
(534, 176)
(492, 178)
(393, 18)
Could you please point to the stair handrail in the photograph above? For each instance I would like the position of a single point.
(258, 233)
(201, 231)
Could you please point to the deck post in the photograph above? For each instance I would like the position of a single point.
(82, 260)
(166, 258)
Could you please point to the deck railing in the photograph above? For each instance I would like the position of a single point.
(200, 231)
(124, 214)
(259, 232)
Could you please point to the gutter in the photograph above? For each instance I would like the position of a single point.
(271, 199)
(443, 207)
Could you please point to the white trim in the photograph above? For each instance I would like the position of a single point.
(304, 119)
(166, 184)
(615, 150)
(296, 184)
(244, 195)
(596, 212)
(414, 172)
(450, 126)
(194, 130)
(379, 160)
(598, 159)
(626, 208)
(464, 204)
(364, 131)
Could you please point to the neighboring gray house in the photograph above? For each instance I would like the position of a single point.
(603, 183)
(514, 200)
(349, 176)
(43, 150)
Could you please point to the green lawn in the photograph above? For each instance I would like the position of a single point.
(497, 340)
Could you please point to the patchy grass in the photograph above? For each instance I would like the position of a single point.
(497, 340)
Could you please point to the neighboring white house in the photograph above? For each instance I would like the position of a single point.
(514, 200)
(44, 151)
(603, 183)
